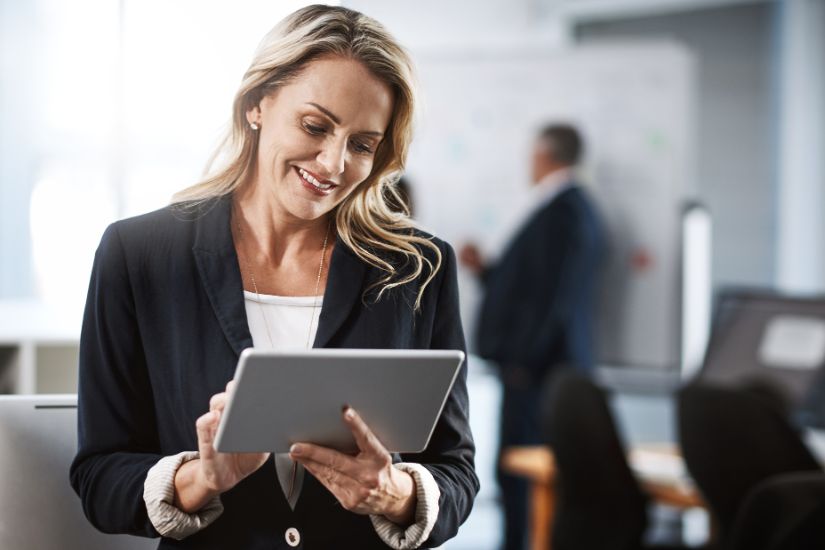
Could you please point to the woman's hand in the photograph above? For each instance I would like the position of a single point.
(213, 473)
(366, 483)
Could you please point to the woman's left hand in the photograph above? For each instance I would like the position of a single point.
(366, 483)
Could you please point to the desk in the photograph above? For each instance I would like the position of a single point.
(656, 466)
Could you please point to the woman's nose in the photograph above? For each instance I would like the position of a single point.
(332, 156)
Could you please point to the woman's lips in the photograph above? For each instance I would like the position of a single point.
(314, 183)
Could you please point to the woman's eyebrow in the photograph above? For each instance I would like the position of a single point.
(337, 120)
(327, 112)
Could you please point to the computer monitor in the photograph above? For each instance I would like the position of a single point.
(764, 338)
(38, 508)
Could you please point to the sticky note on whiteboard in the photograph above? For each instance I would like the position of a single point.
(793, 342)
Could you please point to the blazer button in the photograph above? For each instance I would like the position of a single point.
(293, 537)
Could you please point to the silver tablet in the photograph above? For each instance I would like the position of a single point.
(285, 397)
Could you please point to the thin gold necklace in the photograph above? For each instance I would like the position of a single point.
(317, 283)
(294, 473)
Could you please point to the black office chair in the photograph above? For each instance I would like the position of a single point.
(599, 504)
(785, 512)
(734, 439)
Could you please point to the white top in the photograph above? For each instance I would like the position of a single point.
(287, 319)
(280, 322)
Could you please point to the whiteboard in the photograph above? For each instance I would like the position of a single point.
(469, 168)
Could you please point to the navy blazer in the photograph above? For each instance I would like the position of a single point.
(164, 325)
(537, 308)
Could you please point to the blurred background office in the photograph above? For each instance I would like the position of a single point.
(705, 126)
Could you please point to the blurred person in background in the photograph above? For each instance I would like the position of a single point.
(538, 301)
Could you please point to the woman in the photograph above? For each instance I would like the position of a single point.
(290, 243)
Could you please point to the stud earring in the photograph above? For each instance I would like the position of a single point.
(253, 125)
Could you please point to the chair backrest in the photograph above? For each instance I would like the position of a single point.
(38, 508)
(732, 439)
(599, 504)
(785, 512)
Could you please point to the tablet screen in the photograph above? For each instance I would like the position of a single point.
(284, 397)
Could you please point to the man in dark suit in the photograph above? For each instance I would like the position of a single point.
(537, 308)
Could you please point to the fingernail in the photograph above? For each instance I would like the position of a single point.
(348, 413)
(295, 449)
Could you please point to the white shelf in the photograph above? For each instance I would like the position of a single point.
(38, 347)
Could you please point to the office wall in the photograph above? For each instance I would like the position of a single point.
(801, 204)
(464, 25)
(17, 158)
(735, 49)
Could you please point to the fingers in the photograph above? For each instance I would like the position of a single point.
(327, 457)
(364, 471)
(351, 494)
(218, 401)
(356, 482)
(328, 475)
(207, 426)
(364, 437)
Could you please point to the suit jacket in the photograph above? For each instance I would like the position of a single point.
(163, 328)
(539, 297)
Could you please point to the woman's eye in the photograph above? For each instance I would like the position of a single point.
(313, 129)
(361, 147)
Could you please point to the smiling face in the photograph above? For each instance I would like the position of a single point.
(318, 136)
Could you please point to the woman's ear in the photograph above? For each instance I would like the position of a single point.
(253, 115)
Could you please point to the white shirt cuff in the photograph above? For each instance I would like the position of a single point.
(159, 496)
(426, 511)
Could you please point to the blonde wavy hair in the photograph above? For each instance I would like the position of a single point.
(365, 220)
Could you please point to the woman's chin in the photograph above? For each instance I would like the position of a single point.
(309, 212)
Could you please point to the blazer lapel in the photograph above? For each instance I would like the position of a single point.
(345, 285)
(218, 267)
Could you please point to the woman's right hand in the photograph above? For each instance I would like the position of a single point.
(200, 480)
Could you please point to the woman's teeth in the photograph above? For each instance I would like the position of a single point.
(308, 177)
